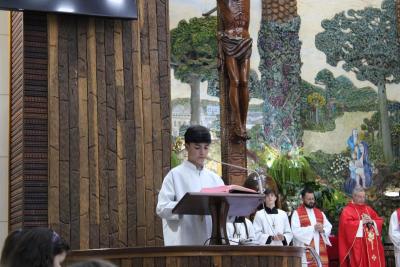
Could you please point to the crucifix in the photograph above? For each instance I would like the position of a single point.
(235, 43)
(234, 51)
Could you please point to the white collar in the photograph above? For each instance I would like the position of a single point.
(192, 166)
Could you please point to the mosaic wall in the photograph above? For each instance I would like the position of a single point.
(325, 90)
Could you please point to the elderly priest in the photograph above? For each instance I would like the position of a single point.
(360, 230)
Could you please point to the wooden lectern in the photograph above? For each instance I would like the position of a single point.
(219, 206)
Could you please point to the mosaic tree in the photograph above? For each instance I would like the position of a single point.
(194, 56)
(366, 42)
(325, 77)
(316, 101)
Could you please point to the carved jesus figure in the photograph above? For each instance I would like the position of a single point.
(236, 45)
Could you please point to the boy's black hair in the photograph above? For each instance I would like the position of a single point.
(197, 134)
(268, 191)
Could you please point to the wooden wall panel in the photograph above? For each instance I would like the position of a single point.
(109, 125)
(16, 204)
(29, 121)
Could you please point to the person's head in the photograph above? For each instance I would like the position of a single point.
(307, 195)
(197, 141)
(93, 263)
(8, 246)
(39, 247)
(252, 182)
(270, 198)
(358, 195)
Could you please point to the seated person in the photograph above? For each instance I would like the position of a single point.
(190, 176)
(38, 247)
(240, 230)
(271, 225)
(9, 245)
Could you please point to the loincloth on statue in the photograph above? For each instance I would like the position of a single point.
(239, 48)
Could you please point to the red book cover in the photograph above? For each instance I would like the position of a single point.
(228, 189)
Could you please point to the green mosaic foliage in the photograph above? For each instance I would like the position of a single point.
(279, 48)
(366, 42)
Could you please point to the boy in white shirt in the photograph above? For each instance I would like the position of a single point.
(190, 176)
(240, 231)
(271, 225)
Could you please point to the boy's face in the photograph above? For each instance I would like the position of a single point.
(270, 200)
(197, 153)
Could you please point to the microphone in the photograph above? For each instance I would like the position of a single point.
(259, 180)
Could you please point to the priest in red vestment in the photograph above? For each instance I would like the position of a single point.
(360, 229)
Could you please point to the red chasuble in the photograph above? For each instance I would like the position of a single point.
(366, 251)
(304, 222)
(398, 215)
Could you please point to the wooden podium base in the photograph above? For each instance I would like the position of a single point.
(197, 256)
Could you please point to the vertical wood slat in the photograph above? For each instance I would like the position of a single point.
(156, 145)
(121, 134)
(130, 134)
(65, 221)
(102, 111)
(54, 127)
(74, 152)
(147, 236)
(156, 114)
(111, 157)
(94, 206)
(164, 94)
(138, 91)
(84, 224)
(139, 125)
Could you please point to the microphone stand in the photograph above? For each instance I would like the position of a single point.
(260, 186)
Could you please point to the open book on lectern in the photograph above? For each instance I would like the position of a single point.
(233, 188)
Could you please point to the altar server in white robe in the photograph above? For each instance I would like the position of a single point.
(394, 234)
(271, 225)
(240, 231)
(190, 176)
(310, 227)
